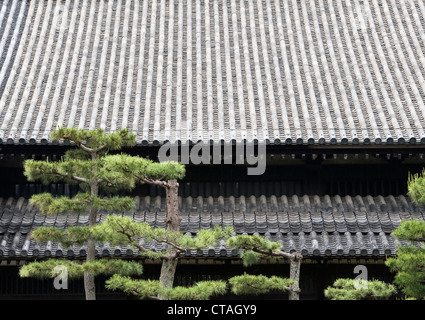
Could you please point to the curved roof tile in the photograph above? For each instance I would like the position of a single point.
(345, 229)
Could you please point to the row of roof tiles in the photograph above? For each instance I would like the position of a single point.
(262, 203)
(344, 228)
(327, 245)
(262, 214)
(292, 71)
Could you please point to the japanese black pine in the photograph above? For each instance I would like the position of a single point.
(83, 164)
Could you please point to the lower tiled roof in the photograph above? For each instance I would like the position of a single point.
(312, 225)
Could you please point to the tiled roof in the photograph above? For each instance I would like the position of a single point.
(315, 226)
(314, 71)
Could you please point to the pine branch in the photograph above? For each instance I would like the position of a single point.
(96, 140)
(131, 239)
(201, 290)
(283, 254)
(259, 284)
(80, 203)
(357, 289)
(259, 245)
(48, 268)
(91, 150)
(159, 183)
(144, 170)
(141, 288)
(64, 175)
(84, 148)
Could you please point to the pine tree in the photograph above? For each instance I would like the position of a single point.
(409, 262)
(165, 175)
(254, 248)
(122, 230)
(90, 166)
(125, 231)
(359, 289)
(131, 233)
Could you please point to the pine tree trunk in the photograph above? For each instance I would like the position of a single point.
(169, 266)
(89, 284)
(294, 274)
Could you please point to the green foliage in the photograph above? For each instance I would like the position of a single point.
(416, 187)
(46, 172)
(86, 164)
(145, 168)
(48, 268)
(96, 138)
(123, 230)
(250, 258)
(256, 247)
(247, 284)
(53, 205)
(253, 242)
(81, 202)
(412, 230)
(409, 262)
(120, 230)
(359, 289)
(202, 290)
(145, 289)
(113, 266)
(79, 171)
(249, 243)
(141, 288)
(90, 166)
(67, 237)
(409, 266)
(204, 238)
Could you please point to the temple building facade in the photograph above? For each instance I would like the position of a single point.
(329, 94)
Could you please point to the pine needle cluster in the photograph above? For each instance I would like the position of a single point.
(409, 262)
(248, 284)
(75, 269)
(151, 289)
(359, 289)
(416, 187)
